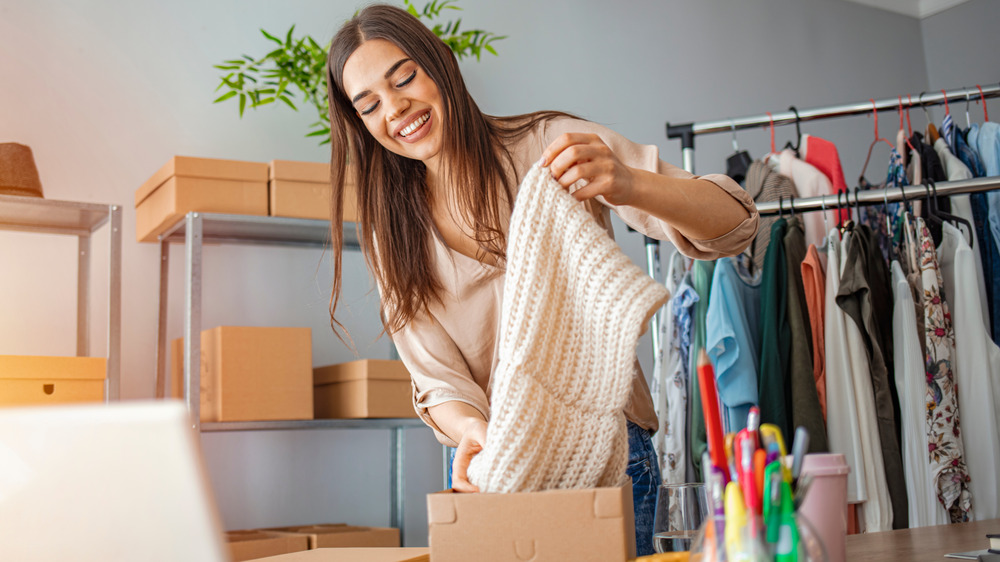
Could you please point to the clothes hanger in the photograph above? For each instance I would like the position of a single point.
(937, 216)
(861, 178)
(771, 158)
(781, 211)
(888, 221)
(738, 163)
(798, 132)
(986, 116)
(910, 133)
(968, 122)
(931, 130)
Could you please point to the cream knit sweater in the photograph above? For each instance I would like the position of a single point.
(573, 309)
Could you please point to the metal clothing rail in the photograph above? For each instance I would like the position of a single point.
(877, 196)
(687, 131)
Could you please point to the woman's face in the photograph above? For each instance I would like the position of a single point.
(399, 104)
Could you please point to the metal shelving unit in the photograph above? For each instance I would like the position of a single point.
(197, 229)
(48, 216)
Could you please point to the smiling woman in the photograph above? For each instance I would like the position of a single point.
(437, 179)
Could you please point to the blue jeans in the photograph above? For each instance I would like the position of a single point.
(645, 473)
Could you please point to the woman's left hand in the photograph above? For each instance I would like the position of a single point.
(576, 156)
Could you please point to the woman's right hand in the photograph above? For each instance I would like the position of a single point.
(472, 442)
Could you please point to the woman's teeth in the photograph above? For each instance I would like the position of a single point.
(415, 125)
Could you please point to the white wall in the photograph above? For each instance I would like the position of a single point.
(105, 91)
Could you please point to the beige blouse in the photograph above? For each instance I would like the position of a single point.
(450, 349)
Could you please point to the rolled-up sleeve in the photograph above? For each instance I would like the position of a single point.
(646, 157)
(438, 371)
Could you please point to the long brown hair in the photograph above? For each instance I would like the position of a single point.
(395, 223)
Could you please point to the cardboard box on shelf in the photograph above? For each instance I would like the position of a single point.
(368, 388)
(303, 190)
(254, 544)
(409, 554)
(207, 185)
(591, 525)
(251, 373)
(28, 380)
(338, 535)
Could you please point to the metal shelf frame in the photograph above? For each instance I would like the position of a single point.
(72, 218)
(198, 229)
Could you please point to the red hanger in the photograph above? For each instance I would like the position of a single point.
(986, 116)
(874, 142)
(907, 120)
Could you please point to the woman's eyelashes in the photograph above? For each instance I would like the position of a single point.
(400, 84)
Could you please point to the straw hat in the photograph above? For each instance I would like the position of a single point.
(18, 174)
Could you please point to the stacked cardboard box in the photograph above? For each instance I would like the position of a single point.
(254, 544)
(251, 373)
(207, 185)
(27, 380)
(303, 190)
(337, 535)
(368, 388)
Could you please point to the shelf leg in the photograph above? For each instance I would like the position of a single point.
(192, 316)
(396, 492)
(83, 298)
(162, 381)
(115, 304)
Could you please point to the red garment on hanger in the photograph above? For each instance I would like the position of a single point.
(822, 154)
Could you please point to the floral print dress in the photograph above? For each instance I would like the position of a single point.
(944, 437)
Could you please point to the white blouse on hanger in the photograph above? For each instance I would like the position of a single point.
(924, 508)
(976, 367)
(669, 388)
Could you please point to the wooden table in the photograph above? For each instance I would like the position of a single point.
(922, 544)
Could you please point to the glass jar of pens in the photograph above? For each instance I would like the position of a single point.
(753, 490)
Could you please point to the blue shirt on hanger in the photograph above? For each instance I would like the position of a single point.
(732, 341)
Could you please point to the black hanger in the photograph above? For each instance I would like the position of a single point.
(738, 163)
(791, 204)
(798, 132)
(781, 211)
(937, 216)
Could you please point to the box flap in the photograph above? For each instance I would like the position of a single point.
(441, 508)
(212, 168)
(52, 368)
(608, 503)
(364, 369)
(292, 170)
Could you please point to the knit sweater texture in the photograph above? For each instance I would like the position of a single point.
(574, 306)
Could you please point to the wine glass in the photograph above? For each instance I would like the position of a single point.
(680, 511)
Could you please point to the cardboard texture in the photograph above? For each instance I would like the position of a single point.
(338, 535)
(369, 388)
(208, 185)
(251, 545)
(28, 380)
(251, 373)
(303, 190)
(356, 555)
(592, 525)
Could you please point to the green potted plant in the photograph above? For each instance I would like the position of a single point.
(294, 72)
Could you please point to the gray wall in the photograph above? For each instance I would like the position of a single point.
(105, 91)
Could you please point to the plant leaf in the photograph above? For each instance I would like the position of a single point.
(225, 96)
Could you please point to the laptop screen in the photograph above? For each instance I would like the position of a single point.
(117, 482)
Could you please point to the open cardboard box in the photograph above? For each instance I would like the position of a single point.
(591, 525)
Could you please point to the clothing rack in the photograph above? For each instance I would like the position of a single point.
(876, 196)
(687, 131)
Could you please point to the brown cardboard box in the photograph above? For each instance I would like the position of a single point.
(208, 185)
(31, 380)
(338, 535)
(368, 388)
(303, 190)
(356, 555)
(251, 545)
(592, 525)
(251, 373)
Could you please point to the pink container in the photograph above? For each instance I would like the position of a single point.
(825, 504)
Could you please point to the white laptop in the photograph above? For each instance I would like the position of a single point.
(105, 483)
